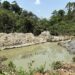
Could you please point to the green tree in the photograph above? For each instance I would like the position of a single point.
(69, 8)
(54, 18)
(73, 10)
(15, 7)
(0, 4)
(61, 14)
(73, 4)
(6, 5)
(24, 25)
(6, 23)
(24, 14)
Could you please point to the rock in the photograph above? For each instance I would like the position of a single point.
(45, 36)
(60, 38)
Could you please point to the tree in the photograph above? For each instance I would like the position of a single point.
(15, 7)
(54, 18)
(30, 14)
(24, 25)
(6, 5)
(24, 13)
(55, 13)
(44, 24)
(6, 23)
(61, 14)
(69, 8)
(73, 7)
(73, 4)
(0, 3)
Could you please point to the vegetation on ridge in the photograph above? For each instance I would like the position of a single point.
(14, 19)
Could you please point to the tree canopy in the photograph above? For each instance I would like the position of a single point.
(14, 19)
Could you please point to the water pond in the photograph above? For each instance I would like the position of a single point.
(43, 54)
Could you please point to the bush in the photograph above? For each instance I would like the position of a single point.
(73, 59)
(57, 65)
(11, 65)
(41, 69)
(21, 72)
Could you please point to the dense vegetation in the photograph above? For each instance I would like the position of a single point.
(14, 19)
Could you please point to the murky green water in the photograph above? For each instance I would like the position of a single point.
(45, 53)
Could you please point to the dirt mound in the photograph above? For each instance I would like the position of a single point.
(67, 69)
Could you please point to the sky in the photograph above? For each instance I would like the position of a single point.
(42, 8)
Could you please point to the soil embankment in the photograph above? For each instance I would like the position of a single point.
(15, 40)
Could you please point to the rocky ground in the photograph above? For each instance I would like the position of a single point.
(69, 44)
(67, 69)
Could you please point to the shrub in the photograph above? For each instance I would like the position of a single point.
(12, 67)
(73, 59)
(57, 65)
(41, 69)
(22, 72)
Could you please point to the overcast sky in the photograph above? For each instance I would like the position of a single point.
(42, 8)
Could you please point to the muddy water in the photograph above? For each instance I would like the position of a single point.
(45, 53)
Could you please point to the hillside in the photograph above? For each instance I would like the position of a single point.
(15, 19)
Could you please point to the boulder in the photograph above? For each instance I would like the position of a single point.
(45, 35)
